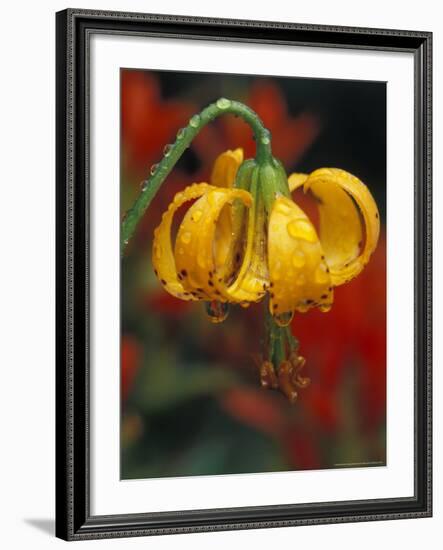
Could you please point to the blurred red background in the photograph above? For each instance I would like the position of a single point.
(191, 399)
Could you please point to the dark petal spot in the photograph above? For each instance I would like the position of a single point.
(237, 257)
(264, 286)
(180, 276)
(376, 215)
(184, 272)
(322, 257)
(163, 282)
(309, 302)
(220, 280)
(330, 288)
(275, 306)
(272, 284)
(210, 283)
(217, 292)
(200, 290)
(210, 273)
(324, 296)
(155, 271)
(327, 270)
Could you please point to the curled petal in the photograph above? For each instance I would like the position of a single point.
(225, 168)
(298, 272)
(252, 277)
(195, 256)
(162, 255)
(343, 201)
(296, 180)
(223, 174)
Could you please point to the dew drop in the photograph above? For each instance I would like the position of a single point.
(181, 250)
(223, 103)
(298, 259)
(167, 150)
(283, 319)
(196, 216)
(186, 237)
(201, 261)
(217, 311)
(144, 185)
(301, 229)
(153, 169)
(194, 121)
(301, 280)
(181, 133)
(265, 140)
(158, 252)
(282, 208)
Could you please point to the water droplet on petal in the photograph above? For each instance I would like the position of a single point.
(298, 259)
(144, 185)
(283, 319)
(201, 260)
(217, 311)
(195, 121)
(186, 237)
(265, 140)
(167, 150)
(196, 216)
(153, 169)
(158, 252)
(223, 103)
(301, 280)
(181, 250)
(302, 229)
(282, 208)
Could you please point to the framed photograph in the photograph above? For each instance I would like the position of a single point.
(243, 274)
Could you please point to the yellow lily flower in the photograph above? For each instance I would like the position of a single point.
(244, 237)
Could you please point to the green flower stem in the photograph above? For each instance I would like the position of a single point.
(174, 152)
(279, 341)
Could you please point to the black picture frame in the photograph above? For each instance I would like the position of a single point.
(74, 521)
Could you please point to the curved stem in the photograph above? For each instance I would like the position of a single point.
(174, 152)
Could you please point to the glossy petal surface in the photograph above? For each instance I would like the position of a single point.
(195, 253)
(162, 255)
(223, 174)
(349, 221)
(299, 275)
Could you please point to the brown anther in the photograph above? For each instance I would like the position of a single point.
(286, 384)
(298, 362)
(268, 378)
